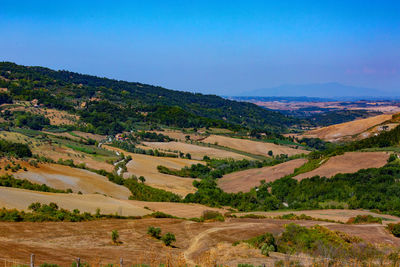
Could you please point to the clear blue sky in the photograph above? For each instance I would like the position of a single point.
(222, 47)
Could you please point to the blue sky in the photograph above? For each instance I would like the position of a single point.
(222, 47)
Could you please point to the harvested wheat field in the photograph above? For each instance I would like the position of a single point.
(197, 152)
(144, 165)
(253, 147)
(182, 210)
(349, 162)
(197, 243)
(341, 215)
(20, 199)
(346, 131)
(247, 179)
(64, 177)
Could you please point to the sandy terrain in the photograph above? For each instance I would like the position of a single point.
(182, 210)
(349, 162)
(64, 177)
(253, 147)
(335, 214)
(144, 165)
(21, 199)
(245, 180)
(197, 152)
(201, 243)
(346, 130)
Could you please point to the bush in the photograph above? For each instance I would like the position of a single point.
(212, 215)
(168, 238)
(364, 219)
(115, 237)
(394, 229)
(154, 232)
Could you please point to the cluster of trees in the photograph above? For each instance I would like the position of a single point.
(14, 149)
(122, 103)
(141, 191)
(9, 181)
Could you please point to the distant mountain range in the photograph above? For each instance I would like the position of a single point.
(322, 90)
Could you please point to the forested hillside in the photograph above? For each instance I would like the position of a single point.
(109, 106)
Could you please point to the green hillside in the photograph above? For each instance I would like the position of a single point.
(112, 106)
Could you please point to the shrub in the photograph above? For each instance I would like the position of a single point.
(115, 237)
(212, 215)
(168, 238)
(154, 232)
(364, 219)
(394, 228)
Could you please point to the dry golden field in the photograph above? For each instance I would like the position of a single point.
(253, 147)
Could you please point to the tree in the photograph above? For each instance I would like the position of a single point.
(115, 236)
(168, 238)
(270, 153)
(188, 156)
(154, 232)
(142, 179)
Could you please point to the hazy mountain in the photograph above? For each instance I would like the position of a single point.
(326, 90)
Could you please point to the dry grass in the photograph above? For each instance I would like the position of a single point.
(196, 243)
(144, 165)
(21, 199)
(253, 147)
(64, 177)
(247, 179)
(56, 117)
(340, 215)
(197, 152)
(349, 162)
(346, 131)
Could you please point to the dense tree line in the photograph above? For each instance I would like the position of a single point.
(14, 149)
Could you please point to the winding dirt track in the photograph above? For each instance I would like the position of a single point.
(62, 242)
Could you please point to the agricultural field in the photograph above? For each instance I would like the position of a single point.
(253, 147)
(339, 215)
(64, 177)
(348, 130)
(144, 165)
(197, 152)
(349, 162)
(245, 180)
(20, 199)
(196, 243)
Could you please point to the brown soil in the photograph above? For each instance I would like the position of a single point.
(253, 147)
(349, 162)
(197, 152)
(200, 243)
(246, 180)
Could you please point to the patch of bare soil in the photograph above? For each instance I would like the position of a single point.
(248, 179)
(349, 162)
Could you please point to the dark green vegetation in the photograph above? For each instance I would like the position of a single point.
(155, 232)
(364, 219)
(339, 116)
(51, 212)
(118, 105)
(10, 181)
(141, 191)
(394, 228)
(216, 168)
(14, 149)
